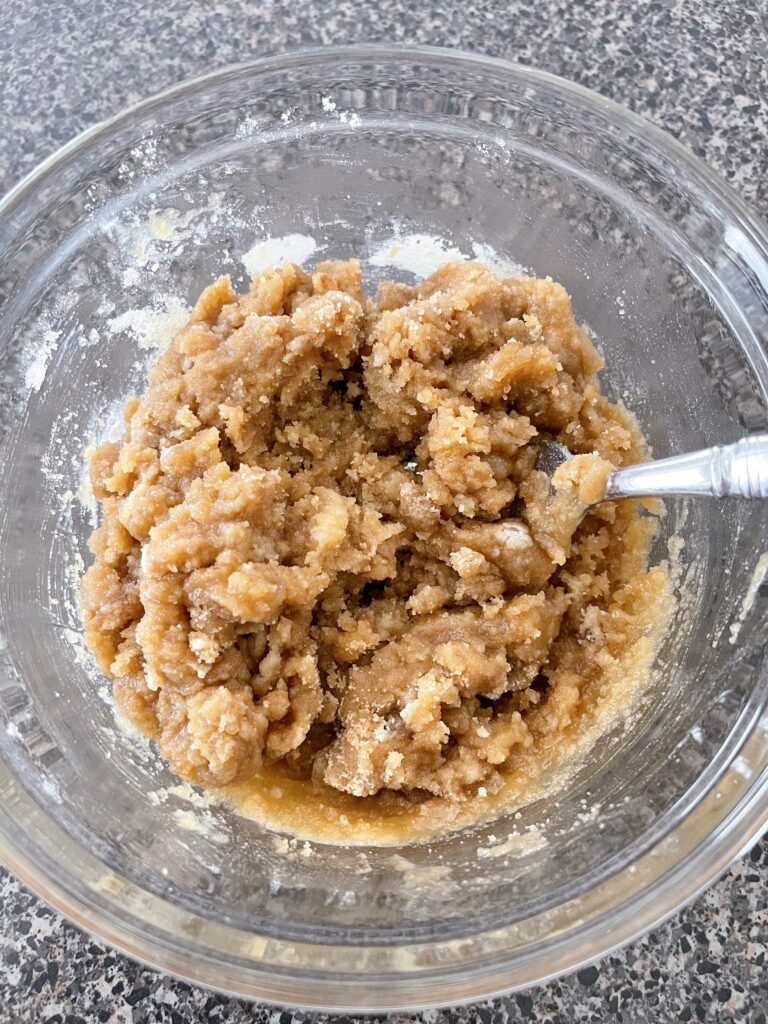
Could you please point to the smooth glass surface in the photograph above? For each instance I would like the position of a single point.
(359, 148)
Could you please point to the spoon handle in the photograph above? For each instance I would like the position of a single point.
(735, 469)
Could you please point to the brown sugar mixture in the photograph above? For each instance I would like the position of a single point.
(328, 576)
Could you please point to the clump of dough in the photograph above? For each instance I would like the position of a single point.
(324, 541)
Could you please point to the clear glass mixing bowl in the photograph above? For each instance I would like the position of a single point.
(359, 151)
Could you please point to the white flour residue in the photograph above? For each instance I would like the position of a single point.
(169, 224)
(417, 254)
(497, 263)
(131, 739)
(420, 874)
(34, 375)
(89, 339)
(203, 823)
(64, 469)
(246, 128)
(272, 252)
(675, 547)
(421, 254)
(350, 117)
(758, 577)
(54, 464)
(105, 424)
(152, 327)
(184, 791)
(61, 466)
(292, 848)
(146, 240)
(143, 159)
(518, 843)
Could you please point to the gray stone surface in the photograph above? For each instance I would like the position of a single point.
(698, 69)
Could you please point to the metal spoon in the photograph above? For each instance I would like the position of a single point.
(739, 469)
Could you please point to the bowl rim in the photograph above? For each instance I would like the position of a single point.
(679, 881)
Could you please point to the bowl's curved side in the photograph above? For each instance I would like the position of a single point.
(681, 238)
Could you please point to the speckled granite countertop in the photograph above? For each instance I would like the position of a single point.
(697, 68)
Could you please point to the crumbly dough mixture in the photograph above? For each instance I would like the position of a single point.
(326, 555)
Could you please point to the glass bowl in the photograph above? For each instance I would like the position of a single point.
(401, 157)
